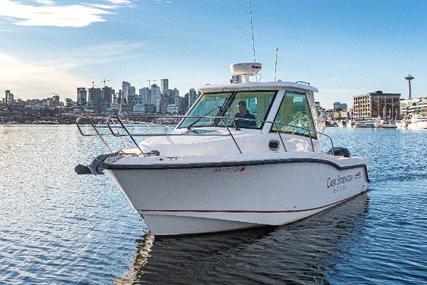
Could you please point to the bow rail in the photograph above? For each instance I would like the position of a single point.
(114, 125)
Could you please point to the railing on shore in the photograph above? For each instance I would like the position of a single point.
(114, 124)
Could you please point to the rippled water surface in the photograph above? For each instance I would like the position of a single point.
(60, 228)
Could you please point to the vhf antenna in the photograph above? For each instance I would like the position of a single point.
(275, 64)
(252, 29)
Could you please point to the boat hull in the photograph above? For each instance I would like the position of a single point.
(421, 125)
(221, 198)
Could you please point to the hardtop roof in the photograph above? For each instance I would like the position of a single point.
(258, 86)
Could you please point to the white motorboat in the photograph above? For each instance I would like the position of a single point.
(402, 124)
(245, 155)
(386, 124)
(366, 123)
(417, 122)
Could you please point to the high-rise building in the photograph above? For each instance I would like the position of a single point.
(9, 98)
(192, 97)
(115, 102)
(175, 96)
(94, 101)
(125, 92)
(81, 96)
(164, 86)
(155, 97)
(144, 94)
(107, 97)
(183, 104)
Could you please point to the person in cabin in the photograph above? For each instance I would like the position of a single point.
(244, 114)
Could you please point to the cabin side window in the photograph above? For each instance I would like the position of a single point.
(294, 115)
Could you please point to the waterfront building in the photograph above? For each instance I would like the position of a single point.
(81, 96)
(377, 104)
(340, 110)
(413, 106)
(164, 86)
(9, 97)
(338, 106)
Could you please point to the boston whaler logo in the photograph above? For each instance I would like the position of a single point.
(234, 169)
(338, 183)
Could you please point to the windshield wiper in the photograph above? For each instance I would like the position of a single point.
(201, 117)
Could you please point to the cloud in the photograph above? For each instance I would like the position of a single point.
(99, 54)
(48, 13)
(37, 79)
(30, 80)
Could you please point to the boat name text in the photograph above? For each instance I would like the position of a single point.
(339, 180)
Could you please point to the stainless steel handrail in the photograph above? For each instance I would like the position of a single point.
(193, 132)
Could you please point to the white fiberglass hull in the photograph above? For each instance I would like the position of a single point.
(417, 125)
(204, 199)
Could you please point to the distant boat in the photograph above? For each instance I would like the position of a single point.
(366, 123)
(387, 124)
(417, 122)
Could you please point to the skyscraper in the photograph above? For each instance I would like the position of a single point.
(155, 96)
(81, 96)
(94, 101)
(125, 92)
(192, 97)
(107, 97)
(9, 98)
(143, 93)
(164, 86)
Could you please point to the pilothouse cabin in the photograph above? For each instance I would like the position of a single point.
(255, 114)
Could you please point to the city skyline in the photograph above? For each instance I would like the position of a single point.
(342, 48)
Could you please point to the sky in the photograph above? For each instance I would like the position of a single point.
(343, 48)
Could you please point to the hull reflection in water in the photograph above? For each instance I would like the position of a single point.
(306, 251)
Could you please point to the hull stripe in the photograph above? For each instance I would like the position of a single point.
(114, 166)
(244, 211)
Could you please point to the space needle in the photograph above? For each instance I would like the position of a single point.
(409, 77)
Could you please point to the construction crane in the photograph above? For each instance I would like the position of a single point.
(105, 81)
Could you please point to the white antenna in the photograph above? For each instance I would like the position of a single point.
(275, 64)
(252, 29)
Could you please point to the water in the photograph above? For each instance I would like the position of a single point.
(60, 228)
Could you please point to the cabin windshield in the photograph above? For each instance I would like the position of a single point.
(248, 108)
